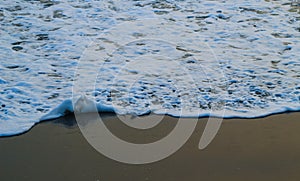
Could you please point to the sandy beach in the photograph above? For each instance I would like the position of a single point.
(141, 59)
(244, 149)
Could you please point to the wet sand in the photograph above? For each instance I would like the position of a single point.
(244, 149)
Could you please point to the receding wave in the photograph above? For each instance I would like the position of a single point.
(222, 58)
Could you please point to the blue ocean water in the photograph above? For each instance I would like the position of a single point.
(182, 58)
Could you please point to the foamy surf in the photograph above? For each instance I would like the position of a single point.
(256, 72)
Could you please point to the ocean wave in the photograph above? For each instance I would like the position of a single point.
(246, 63)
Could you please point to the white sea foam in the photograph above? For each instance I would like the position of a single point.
(254, 69)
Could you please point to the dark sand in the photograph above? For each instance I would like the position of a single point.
(244, 149)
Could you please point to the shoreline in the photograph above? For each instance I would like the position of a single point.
(244, 149)
(71, 115)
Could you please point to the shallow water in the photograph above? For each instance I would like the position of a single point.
(205, 57)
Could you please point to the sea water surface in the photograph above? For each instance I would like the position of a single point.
(233, 58)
